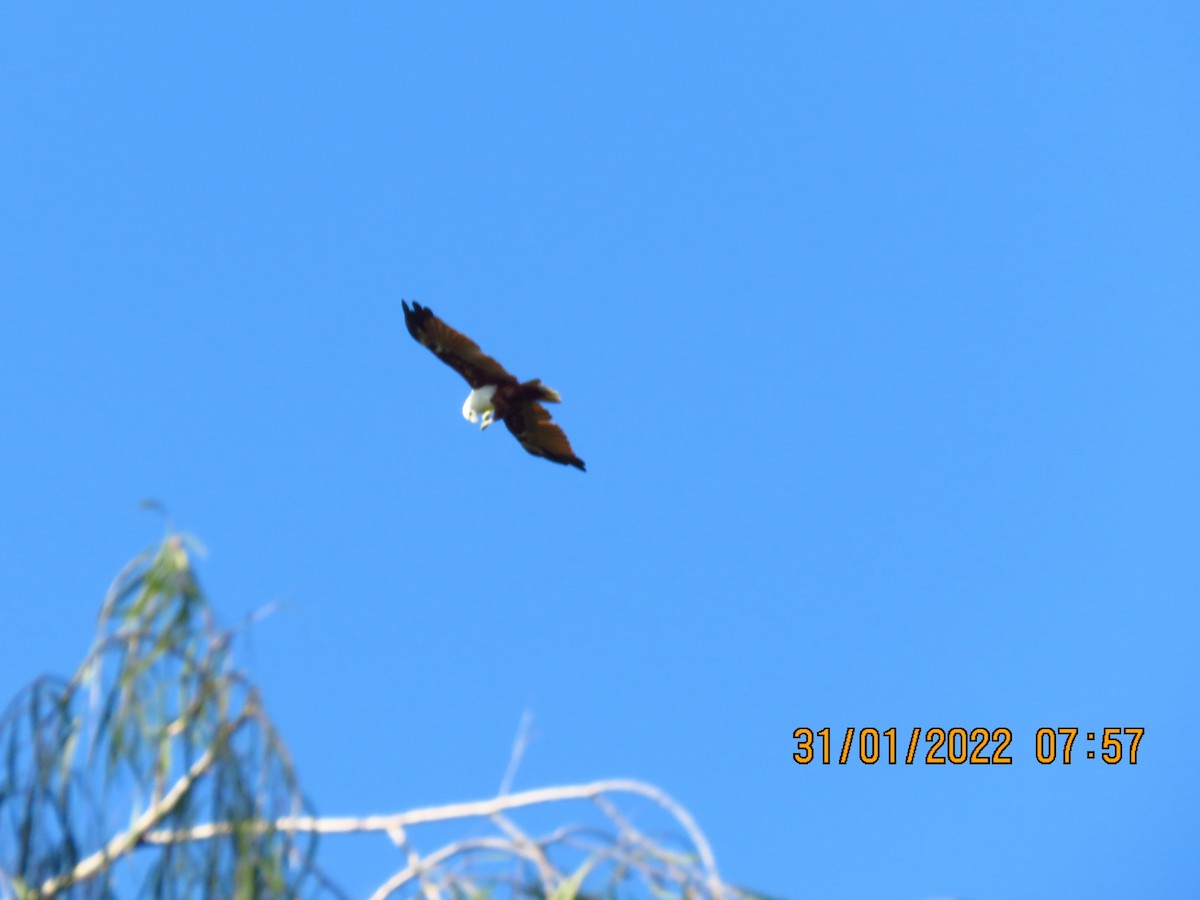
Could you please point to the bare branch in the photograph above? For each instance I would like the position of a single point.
(477, 809)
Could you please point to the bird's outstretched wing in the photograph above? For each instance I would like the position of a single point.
(530, 424)
(456, 350)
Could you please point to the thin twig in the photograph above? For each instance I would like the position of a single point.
(438, 857)
(520, 743)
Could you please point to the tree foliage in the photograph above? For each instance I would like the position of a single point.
(155, 771)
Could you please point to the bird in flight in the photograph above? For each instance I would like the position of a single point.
(495, 394)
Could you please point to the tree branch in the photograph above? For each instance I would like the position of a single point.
(476, 809)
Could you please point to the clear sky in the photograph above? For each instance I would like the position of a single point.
(877, 327)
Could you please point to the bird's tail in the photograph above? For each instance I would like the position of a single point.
(540, 391)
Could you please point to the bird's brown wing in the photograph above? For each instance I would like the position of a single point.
(456, 350)
(530, 424)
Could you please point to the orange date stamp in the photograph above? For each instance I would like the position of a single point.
(962, 746)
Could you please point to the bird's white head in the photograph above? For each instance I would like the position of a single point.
(478, 406)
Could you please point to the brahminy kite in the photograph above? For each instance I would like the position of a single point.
(495, 394)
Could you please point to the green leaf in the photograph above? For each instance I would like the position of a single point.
(569, 889)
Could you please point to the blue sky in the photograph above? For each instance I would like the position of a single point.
(876, 326)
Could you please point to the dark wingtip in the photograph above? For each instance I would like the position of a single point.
(560, 459)
(415, 316)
